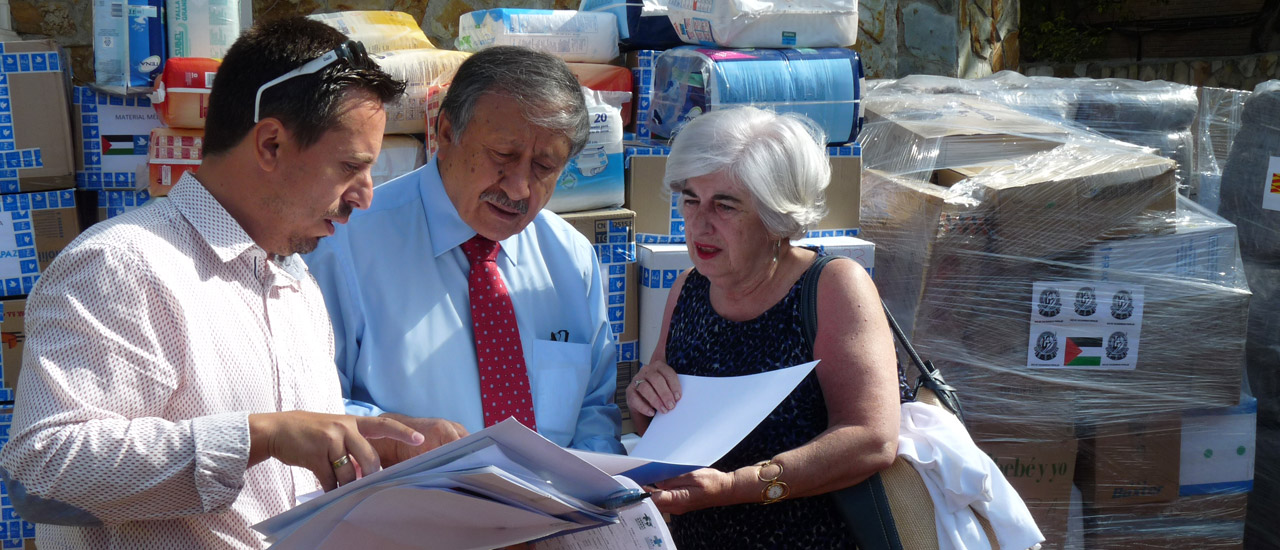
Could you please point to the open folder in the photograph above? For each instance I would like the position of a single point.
(506, 484)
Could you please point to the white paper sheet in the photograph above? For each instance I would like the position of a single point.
(713, 416)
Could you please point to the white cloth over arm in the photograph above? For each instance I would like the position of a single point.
(962, 480)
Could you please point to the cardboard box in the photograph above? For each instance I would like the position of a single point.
(1208, 522)
(658, 218)
(958, 130)
(1063, 199)
(1202, 246)
(978, 310)
(14, 338)
(113, 135)
(626, 373)
(173, 152)
(1161, 458)
(611, 232)
(34, 227)
(114, 202)
(35, 118)
(1038, 460)
(641, 64)
(660, 265)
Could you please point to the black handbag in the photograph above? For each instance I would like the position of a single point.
(892, 509)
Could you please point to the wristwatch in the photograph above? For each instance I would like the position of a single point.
(774, 489)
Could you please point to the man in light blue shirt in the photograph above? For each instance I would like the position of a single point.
(395, 278)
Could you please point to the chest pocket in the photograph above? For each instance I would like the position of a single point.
(558, 373)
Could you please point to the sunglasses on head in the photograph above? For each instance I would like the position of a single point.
(350, 50)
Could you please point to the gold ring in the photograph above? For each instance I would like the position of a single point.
(346, 459)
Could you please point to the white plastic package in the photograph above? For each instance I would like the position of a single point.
(419, 69)
(595, 179)
(590, 37)
(766, 23)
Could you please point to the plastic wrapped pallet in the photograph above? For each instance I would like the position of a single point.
(917, 131)
(585, 36)
(419, 69)
(1250, 189)
(379, 31)
(824, 84)
(765, 24)
(1217, 123)
(1263, 348)
(1154, 114)
(642, 24)
(202, 28)
(1169, 480)
(980, 286)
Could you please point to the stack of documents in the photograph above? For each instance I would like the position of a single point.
(506, 484)
(497, 487)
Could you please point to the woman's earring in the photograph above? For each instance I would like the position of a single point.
(777, 245)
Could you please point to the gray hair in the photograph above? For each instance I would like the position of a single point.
(548, 94)
(781, 159)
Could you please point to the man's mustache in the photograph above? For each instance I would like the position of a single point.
(501, 199)
(342, 212)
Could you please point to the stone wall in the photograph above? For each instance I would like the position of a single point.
(1242, 72)
(964, 38)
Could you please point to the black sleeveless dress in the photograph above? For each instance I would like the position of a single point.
(703, 343)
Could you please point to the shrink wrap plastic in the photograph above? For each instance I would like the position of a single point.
(1093, 320)
(1155, 114)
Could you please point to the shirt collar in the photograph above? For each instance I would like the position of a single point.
(444, 224)
(215, 225)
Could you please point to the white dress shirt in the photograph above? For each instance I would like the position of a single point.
(150, 339)
(395, 280)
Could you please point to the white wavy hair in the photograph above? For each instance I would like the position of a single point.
(780, 159)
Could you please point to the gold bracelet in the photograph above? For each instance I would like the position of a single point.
(774, 490)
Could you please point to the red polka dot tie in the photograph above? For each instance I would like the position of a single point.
(504, 383)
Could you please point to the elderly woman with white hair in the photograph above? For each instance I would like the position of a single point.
(750, 181)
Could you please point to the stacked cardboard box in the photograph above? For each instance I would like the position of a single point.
(40, 213)
(1055, 287)
(612, 232)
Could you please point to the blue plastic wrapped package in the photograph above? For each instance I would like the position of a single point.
(642, 24)
(129, 44)
(824, 84)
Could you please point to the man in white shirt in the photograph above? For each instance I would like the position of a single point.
(417, 338)
(177, 382)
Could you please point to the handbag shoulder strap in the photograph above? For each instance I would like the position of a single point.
(809, 298)
(929, 376)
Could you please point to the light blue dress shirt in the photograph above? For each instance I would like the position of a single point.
(395, 281)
